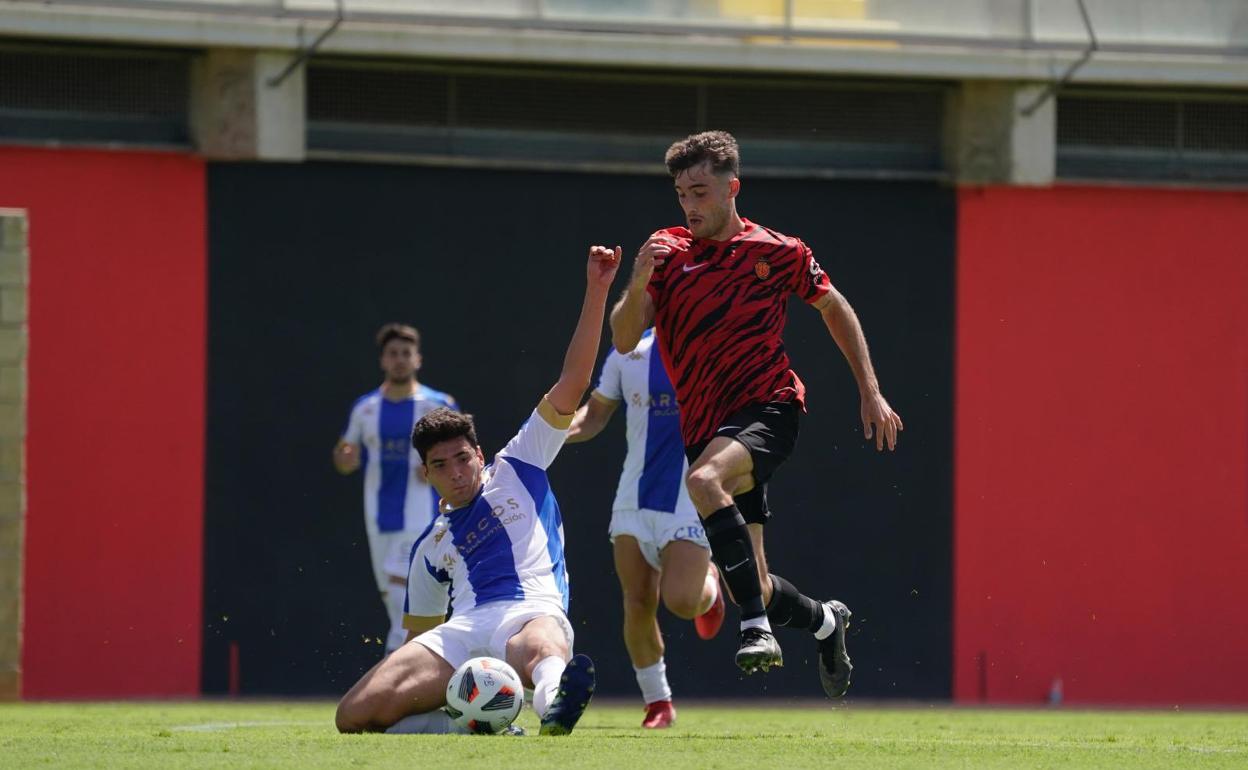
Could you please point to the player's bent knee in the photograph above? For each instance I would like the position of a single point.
(683, 597)
(705, 487)
(347, 718)
(682, 606)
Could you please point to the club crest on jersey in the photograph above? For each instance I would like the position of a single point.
(762, 268)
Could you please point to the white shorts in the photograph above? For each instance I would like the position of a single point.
(390, 553)
(485, 630)
(655, 529)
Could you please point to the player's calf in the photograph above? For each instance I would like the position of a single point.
(790, 608)
(357, 715)
(834, 666)
(733, 552)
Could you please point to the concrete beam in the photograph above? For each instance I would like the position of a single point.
(990, 140)
(238, 112)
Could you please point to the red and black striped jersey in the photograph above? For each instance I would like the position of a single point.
(719, 316)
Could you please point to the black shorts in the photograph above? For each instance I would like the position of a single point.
(769, 431)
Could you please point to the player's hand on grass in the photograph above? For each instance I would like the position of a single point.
(879, 420)
(653, 253)
(603, 264)
(346, 457)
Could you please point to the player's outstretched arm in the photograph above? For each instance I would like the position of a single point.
(634, 313)
(878, 418)
(578, 362)
(591, 418)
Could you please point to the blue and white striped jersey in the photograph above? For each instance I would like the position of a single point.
(654, 468)
(395, 499)
(507, 544)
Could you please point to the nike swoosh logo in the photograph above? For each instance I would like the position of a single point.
(738, 565)
(691, 268)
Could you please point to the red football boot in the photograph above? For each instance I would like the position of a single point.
(708, 623)
(659, 715)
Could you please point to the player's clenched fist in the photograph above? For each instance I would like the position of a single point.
(653, 252)
(603, 263)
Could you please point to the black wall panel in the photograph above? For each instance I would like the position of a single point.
(308, 260)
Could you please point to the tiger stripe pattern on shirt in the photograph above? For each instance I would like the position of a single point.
(720, 312)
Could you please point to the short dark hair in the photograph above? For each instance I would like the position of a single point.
(442, 424)
(717, 147)
(397, 331)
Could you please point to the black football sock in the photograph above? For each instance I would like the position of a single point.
(734, 555)
(790, 608)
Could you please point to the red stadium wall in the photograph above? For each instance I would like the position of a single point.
(115, 433)
(1101, 492)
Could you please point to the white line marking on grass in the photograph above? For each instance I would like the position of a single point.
(208, 727)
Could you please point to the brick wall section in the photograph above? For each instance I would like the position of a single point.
(14, 277)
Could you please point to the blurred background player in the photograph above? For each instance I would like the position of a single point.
(657, 538)
(398, 501)
(716, 292)
(496, 548)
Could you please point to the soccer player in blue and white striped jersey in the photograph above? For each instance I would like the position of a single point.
(659, 545)
(496, 550)
(398, 501)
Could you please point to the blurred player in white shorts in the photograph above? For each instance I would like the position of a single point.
(398, 502)
(659, 545)
(496, 550)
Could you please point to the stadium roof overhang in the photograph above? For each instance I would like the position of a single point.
(861, 52)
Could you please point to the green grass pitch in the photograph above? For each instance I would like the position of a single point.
(300, 734)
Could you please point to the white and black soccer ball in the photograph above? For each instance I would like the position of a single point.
(484, 695)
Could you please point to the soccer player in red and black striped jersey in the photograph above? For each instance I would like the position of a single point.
(716, 292)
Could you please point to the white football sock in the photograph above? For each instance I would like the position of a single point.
(393, 599)
(436, 722)
(546, 676)
(653, 682)
(758, 622)
(829, 623)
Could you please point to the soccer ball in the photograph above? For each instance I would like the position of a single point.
(484, 695)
